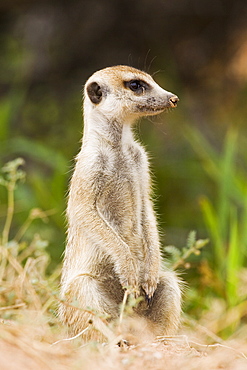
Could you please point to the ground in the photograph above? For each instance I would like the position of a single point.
(28, 346)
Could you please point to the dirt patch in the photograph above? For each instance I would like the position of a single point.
(22, 348)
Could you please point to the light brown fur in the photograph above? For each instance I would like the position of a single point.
(113, 241)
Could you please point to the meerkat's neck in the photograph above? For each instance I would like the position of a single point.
(115, 131)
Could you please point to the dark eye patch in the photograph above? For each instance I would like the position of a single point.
(137, 86)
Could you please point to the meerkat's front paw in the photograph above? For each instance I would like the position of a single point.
(131, 284)
(129, 277)
(149, 286)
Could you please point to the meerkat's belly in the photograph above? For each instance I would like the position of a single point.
(121, 205)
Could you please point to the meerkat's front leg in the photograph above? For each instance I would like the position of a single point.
(126, 266)
(152, 258)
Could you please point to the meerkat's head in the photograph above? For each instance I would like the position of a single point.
(127, 93)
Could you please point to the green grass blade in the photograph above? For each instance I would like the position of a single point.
(233, 261)
(226, 185)
(205, 151)
(5, 112)
(211, 220)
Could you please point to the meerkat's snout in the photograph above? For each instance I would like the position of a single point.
(173, 101)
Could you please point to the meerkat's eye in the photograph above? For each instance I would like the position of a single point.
(137, 86)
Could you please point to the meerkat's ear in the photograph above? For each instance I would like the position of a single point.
(94, 92)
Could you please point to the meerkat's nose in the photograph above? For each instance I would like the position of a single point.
(173, 100)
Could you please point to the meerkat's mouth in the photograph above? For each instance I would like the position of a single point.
(155, 110)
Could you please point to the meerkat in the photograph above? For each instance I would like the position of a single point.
(113, 242)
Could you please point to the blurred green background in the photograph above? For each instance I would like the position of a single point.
(197, 50)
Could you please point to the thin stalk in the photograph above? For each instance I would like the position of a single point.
(126, 294)
(23, 229)
(6, 229)
(10, 212)
(4, 255)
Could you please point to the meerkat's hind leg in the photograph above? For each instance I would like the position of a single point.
(88, 308)
(163, 310)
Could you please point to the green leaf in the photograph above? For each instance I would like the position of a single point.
(191, 239)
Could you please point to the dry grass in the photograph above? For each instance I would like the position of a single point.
(31, 337)
(29, 346)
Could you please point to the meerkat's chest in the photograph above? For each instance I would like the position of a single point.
(128, 169)
(124, 190)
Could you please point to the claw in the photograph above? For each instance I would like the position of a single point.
(149, 299)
